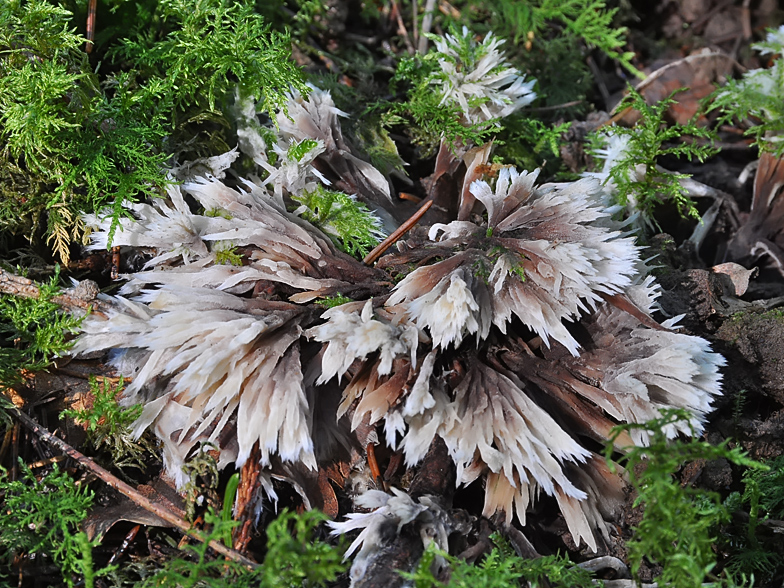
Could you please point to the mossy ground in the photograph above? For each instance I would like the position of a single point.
(141, 118)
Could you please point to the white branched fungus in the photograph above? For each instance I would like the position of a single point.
(218, 352)
(390, 514)
(477, 78)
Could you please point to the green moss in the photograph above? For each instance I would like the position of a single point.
(109, 427)
(333, 301)
(350, 224)
(501, 568)
(650, 139)
(42, 517)
(679, 525)
(35, 330)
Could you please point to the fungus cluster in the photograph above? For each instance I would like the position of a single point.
(515, 333)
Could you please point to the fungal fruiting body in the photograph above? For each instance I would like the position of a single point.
(509, 335)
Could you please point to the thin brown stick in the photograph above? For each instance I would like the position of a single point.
(46, 462)
(401, 230)
(745, 19)
(125, 544)
(375, 471)
(15, 452)
(114, 380)
(427, 21)
(415, 21)
(616, 117)
(92, 8)
(401, 27)
(127, 490)
(409, 197)
(554, 106)
(6, 443)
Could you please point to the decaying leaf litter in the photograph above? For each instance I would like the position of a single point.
(469, 378)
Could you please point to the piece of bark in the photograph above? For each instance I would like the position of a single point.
(82, 297)
(246, 498)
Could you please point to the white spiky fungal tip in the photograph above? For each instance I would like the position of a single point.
(225, 363)
(615, 147)
(448, 309)
(351, 333)
(478, 78)
(544, 257)
(391, 513)
(166, 226)
(316, 118)
(644, 371)
(311, 117)
(499, 428)
(773, 43)
(295, 174)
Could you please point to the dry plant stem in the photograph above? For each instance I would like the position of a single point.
(415, 21)
(125, 544)
(746, 19)
(91, 10)
(427, 22)
(15, 452)
(520, 542)
(605, 562)
(46, 462)
(615, 118)
(401, 230)
(373, 464)
(6, 443)
(401, 27)
(115, 262)
(246, 491)
(409, 197)
(127, 490)
(553, 107)
(114, 380)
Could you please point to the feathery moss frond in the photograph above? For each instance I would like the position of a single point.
(350, 224)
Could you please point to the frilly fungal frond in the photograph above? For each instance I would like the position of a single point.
(316, 118)
(168, 227)
(198, 356)
(642, 371)
(352, 334)
(476, 77)
(539, 257)
(500, 429)
(391, 513)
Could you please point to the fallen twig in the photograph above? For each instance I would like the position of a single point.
(401, 230)
(81, 298)
(127, 490)
(427, 22)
